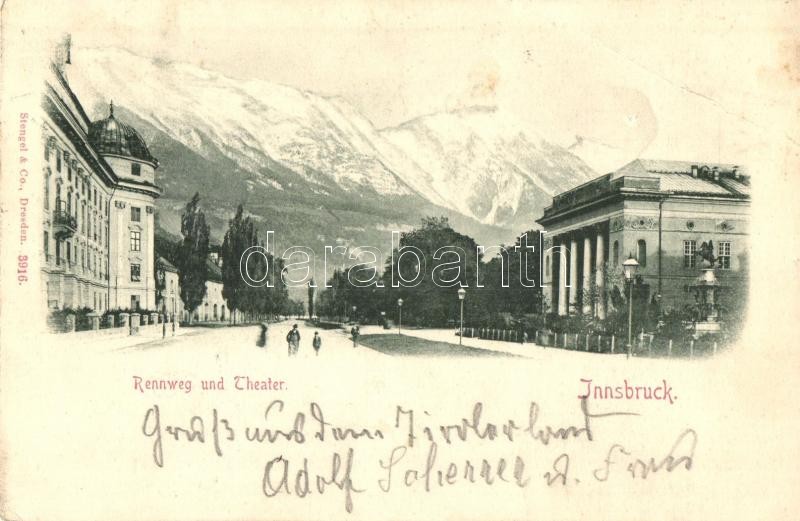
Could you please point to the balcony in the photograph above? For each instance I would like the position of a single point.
(64, 225)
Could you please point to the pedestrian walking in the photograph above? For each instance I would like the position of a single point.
(354, 331)
(293, 339)
(317, 343)
(262, 337)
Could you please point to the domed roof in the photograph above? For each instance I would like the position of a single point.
(111, 136)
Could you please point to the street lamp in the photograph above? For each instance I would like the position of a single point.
(354, 314)
(461, 294)
(400, 309)
(629, 268)
(383, 319)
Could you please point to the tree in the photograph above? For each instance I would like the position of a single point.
(521, 262)
(240, 236)
(191, 256)
(311, 288)
(433, 301)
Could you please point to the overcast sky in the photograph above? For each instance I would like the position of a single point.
(677, 81)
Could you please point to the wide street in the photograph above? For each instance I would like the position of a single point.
(222, 344)
(336, 343)
(239, 343)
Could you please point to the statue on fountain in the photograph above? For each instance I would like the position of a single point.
(706, 252)
(706, 287)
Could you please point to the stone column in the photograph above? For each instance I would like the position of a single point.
(124, 320)
(587, 275)
(135, 323)
(95, 318)
(599, 275)
(562, 276)
(573, 275)
(110, 321)
(143, 318)
(70, 323)
(154, 318)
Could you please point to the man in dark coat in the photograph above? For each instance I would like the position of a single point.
(317, 342)
(293, 339)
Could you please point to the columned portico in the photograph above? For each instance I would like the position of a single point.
(587, 275)
(659, 211)
(573, 275)
(600, 274)
(561, 275)
(584, 271)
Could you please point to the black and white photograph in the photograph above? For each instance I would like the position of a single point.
(518, 253)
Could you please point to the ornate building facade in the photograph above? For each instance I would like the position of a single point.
(658, 212)
(99, 197)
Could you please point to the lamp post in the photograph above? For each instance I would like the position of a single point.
(629, 268)
(383, 319)
(354, 314)
(400, 310)
(461, 294)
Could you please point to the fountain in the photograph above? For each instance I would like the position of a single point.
(706, 289)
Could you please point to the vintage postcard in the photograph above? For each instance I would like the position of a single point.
(399, 260)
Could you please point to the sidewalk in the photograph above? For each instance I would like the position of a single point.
(106, 340)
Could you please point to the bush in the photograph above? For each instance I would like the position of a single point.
(58, 318)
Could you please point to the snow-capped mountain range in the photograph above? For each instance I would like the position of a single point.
(273, 139)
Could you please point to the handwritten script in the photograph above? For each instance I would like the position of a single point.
(414, 449)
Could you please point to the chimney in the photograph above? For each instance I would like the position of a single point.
(694, 171)
(735, 172)
(715, 172)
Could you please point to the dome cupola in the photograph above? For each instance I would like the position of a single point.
(110, 136)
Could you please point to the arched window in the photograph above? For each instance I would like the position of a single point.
(615, 253)
(641, 254)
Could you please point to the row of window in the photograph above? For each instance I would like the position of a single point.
(91, 226)
(100, 299)
(67, 252)
(82, 186)
(89, 221)
(723, 254)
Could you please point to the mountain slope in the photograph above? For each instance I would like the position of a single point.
(256, 124)
(311, 168)
(503, 175)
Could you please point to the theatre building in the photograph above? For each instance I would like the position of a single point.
(658, 212)
(99, 197)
